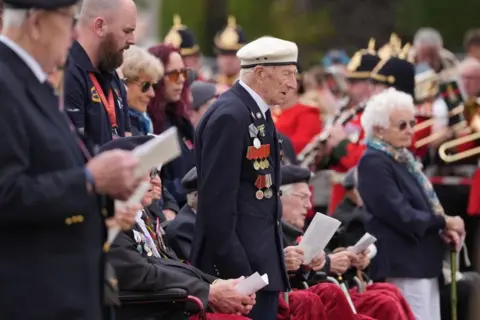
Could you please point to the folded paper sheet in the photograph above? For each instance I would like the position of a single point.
(160, 150)
(252, 284)
(363, 244)
(319, 232)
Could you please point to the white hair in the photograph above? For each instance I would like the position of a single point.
(379, 107)
(286, 189)
(14, 17)
(245, 74)
(428, 37)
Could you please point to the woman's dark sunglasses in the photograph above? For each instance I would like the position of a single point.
(144, 85)
(174, 75)
(402, 125)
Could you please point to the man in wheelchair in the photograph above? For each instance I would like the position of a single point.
(144, 263)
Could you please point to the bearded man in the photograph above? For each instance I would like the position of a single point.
(95, 97)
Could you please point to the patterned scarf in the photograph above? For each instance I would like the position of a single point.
(403, 155)
(144, 120)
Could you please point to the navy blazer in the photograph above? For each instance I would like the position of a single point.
(236, 234)
(51, 228)
(409, 244)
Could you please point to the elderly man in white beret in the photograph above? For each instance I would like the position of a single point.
(237, 230)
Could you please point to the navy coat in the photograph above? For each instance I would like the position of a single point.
(409, 244)
(236, 234)
(51, 229)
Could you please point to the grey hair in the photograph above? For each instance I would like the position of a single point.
(14, 17)
(245, 74)
(378, 109)
(286, 189)
(429, 37)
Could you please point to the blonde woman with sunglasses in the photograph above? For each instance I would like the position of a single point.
(141, 71)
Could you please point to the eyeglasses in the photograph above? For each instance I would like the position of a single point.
(402, 125)
(303, 197)
(174, 75)
(144, 85)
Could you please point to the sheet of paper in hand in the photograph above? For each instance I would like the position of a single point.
(363, 244)
(252, 284)
(160, 150)
(135, 198)
(319, 232)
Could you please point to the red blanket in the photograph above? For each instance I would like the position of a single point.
(382, 301)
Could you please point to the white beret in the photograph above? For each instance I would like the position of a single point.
(268, 51)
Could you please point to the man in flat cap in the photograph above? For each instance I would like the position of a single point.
(203, 95)
(52, 228)
(238, 229)
(180, 230)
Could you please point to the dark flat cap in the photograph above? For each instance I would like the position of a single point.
(295, 174)
(350, 181)
(39, 4)
(190, 181)
(202, 92)
(127, 143)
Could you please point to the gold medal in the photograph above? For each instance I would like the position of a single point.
(259, 195)
(267, 164)
(262, 164)
(256, 165)
(268, 193)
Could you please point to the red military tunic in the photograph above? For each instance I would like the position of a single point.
(300, 123)
(348, 152)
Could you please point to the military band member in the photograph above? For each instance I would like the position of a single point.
(181, 37)
(346, 141)
(51, 227)
(238, 231)
(227, 42)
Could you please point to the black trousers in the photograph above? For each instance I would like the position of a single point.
(266, 306)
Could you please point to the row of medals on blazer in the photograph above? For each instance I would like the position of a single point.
(259, 153)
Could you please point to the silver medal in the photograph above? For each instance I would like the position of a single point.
(256, 143)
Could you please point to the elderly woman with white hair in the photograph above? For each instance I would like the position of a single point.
(141, 71)
(406, 215)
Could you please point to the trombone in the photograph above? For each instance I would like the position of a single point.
(445, 147)
(459, 126)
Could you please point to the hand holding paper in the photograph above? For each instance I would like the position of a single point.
(363, 244)
(252, 284)
(321, 230)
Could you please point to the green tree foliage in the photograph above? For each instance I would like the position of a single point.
(451, 18)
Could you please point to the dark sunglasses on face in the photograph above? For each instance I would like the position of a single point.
(174, 75)
(144, 85)
(402, 125)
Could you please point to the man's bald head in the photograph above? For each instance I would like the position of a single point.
(92, 9)
(107, 27)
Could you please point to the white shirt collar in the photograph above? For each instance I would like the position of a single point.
(260, 102)
(26, 57)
